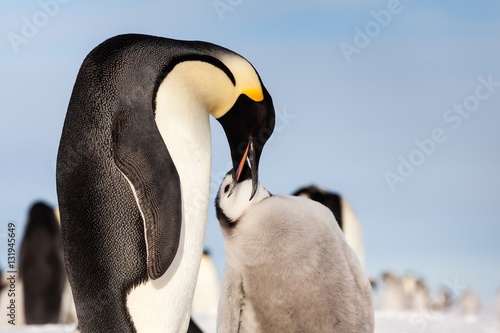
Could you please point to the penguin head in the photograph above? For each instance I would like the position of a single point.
(229, 88)
(232, 200)
(249, 122)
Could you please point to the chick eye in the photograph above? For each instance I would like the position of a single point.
(226, 188)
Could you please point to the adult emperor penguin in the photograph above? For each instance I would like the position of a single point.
(41, 266)
(344, 214)
(288, 267)
(133, 173)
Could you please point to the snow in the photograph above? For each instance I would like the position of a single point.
(40, 328)
(434, 322)
(385, 322)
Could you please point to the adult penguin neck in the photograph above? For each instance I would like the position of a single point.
(183, 121)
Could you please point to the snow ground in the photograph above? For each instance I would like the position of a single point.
(385, 322)
(434, 322)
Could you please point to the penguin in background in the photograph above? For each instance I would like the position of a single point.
(409, 282)
(344, 214)
(41, 266)
(288, 267)
(443, 300)
(3, 281)
(393, 296)
(420, 297)
(133, 173)
(470, 304)
(207, 292)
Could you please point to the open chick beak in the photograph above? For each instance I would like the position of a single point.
(252, 158)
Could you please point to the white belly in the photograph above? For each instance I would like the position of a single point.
(164, 305)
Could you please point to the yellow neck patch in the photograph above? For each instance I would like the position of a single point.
(206, 85)
(247, 81)
(254, 94)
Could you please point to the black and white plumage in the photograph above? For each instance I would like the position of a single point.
(133, 173)
(343, 212)
(41, 267)
(36, 246)
(288, 267)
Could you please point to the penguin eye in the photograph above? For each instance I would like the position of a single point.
(226, 188)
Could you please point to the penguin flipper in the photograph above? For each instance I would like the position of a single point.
(142, 157)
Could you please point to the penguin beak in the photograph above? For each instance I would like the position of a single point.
(248, 125)
(243, 172)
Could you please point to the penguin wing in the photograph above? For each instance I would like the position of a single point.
(228, 314)
(143, 158)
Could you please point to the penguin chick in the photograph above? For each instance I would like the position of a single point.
(288, 266)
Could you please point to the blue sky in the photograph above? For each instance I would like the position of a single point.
(343, 123)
